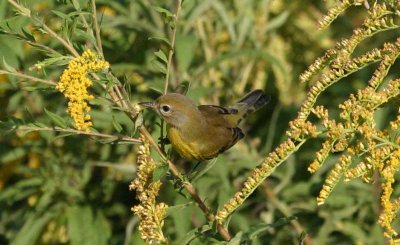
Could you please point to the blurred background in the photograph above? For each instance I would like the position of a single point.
(69, 189)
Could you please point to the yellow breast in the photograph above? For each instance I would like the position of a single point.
(186, 148)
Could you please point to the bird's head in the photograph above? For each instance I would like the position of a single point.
(176, 109)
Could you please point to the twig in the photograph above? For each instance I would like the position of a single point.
(66, 44)
(172, 48)
(23, 75)
(75, 131)
(96, 27)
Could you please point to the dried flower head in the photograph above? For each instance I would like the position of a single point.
(151, 213)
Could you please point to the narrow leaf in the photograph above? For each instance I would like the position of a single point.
(161, 39)
(164, 11)
(160, 54)
(8, 67)
(117, 125)
(57, 120)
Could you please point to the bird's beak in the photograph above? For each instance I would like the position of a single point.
(148, 104)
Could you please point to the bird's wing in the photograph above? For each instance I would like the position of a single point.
(237, 134)
(220, 116)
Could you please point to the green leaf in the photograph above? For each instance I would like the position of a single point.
(76, 4)
(100, 101)
(165, 40)
(12, 155)
(86, 35)
(60, 14)
(182, 88)
(278, 21)
(202, 169)
(28, 36)
(163, 11)
(138, 123)
(23, 188)
(160, 171)
(8, 67)
(58, 61)
(33, 228)
(160, 67)
(160, 54)
(194, 233)
(108, 140)
(256, 230)
(238, 239)
(59, 121)
(159, 91)
(116, 125)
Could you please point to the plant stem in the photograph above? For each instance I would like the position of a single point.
(172, 48)
(75, 131)
(96, 27)
(66, 44)
(385, 141)
(22, 75)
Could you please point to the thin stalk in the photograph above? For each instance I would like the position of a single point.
(172, 48)
(385, 141)
(96, 27)
(52, 33)
(22, 75)
(75, 131)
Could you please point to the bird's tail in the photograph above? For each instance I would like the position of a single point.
(251, 102)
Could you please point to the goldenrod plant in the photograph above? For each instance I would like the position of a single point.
(82, 163)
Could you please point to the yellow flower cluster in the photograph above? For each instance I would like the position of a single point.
(74, 84)
(275, 158)
(333, 178)
(355, 134)
(389, 208)
(151, 214)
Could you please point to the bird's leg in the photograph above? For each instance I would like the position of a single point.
(193, 173)
(164, 141)
(196, 173)
(179, 185)
(194, 169)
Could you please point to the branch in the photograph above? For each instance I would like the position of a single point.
(23, 75)
(96, 27)
(172, 48)
(70, 130)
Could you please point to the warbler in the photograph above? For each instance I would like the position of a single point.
(202, 132)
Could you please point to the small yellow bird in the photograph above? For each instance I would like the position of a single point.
(202, 132)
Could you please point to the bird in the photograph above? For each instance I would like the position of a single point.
(205, 131)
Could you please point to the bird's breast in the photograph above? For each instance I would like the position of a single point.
(184, 144)
(194, 144)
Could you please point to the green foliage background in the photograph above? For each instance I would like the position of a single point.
(57, 188)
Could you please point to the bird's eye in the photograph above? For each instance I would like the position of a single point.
(165, 108)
